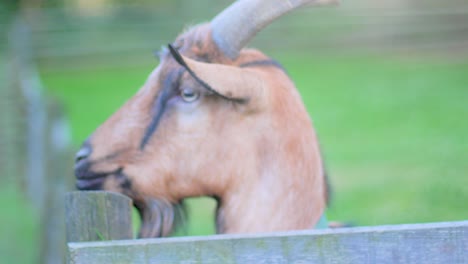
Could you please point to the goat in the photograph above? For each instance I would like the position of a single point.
(214, 119)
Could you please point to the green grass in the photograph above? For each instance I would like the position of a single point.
(394, 134)
(393, 130)
(19, 227)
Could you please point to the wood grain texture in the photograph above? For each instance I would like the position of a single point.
(98, 216)
(414, 243)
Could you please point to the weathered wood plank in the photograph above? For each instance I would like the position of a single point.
(97, 216)
(414, 243)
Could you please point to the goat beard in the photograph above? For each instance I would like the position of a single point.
(159, 217)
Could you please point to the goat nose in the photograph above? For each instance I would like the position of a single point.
(83, 153)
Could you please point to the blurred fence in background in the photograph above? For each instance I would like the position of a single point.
(134, 30)
(35, 153)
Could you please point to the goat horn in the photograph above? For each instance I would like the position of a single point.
(233, 28)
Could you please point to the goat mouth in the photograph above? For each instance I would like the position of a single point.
(91, 181)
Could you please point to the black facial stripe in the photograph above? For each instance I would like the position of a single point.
(124, 182)
(170, 83)
(262, 63)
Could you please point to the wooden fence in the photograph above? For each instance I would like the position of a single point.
(102, 216)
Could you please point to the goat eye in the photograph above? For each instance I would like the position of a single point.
(189, 95)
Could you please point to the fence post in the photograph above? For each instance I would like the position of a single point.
(58, 181)
(98, 215)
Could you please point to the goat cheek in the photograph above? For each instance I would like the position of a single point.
(118, 183)
(191, 121)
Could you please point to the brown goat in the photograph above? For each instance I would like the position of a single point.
(213, 120)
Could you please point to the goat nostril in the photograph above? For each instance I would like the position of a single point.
(82, 154)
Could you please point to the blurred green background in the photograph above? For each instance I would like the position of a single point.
(385, 83)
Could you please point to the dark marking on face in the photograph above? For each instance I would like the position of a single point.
(124, 182)
(170, 84)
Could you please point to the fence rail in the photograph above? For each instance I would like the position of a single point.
(445, 242)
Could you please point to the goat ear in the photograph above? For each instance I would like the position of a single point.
(230, 82)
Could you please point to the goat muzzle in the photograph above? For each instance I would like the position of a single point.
(86, 179)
